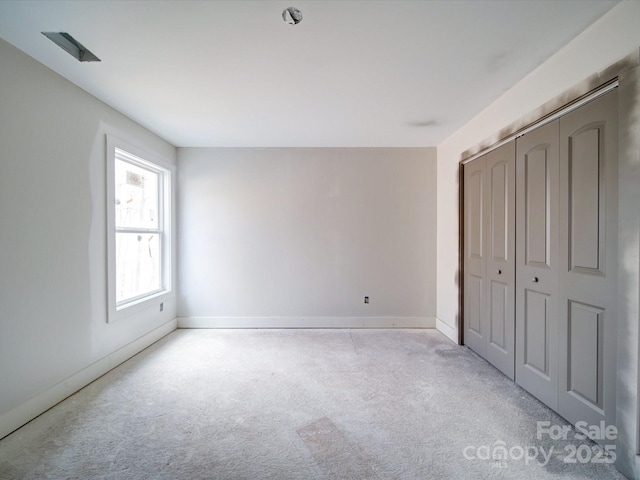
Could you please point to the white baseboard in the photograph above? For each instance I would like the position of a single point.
(27, 411)
(306, 322)
(447, 330)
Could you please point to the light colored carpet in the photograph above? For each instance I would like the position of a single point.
(297, 404)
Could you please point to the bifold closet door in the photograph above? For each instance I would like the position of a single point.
(537, 262)
(566, 271)
(489, 257)
(500, 270)
(588, 277)
(556, 299)
(475, 255)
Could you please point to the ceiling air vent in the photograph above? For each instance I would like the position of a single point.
(72, 46)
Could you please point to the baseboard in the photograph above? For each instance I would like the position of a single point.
(27, 411)
(447, 330)
(306, 322)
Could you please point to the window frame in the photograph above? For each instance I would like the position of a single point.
(120, 150)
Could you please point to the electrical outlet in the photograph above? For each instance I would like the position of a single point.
(366, 299)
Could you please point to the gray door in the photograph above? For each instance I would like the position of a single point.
(500, 258)
(489, 215)
(587, 287)
(537, 263)
(474, 255)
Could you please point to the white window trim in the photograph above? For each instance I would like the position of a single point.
(151, 301)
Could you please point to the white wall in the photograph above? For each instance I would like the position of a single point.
(608, 40)
(52, 235)
(298, 236)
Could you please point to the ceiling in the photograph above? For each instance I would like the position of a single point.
(351, 74)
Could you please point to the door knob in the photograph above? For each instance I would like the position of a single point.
(499, 272)
(535, 279)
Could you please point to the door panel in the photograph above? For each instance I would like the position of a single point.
(584, 366)
(536, 332)
(499, 315)
(537, 204)
(586, 196)
(588, 239)
(500, 272)
(537, 264)
(474, 311)
(474, 203)
(474, 255)
(499, 187)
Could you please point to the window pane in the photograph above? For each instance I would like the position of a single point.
(137, 265)
(136, 196)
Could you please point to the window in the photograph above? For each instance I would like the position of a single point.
(139, 222)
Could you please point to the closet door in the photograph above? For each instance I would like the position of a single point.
(489, 209)
(474, 255)
(537, 263)
(588, 239)
(500, 259)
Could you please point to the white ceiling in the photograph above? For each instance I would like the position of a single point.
(351, 74)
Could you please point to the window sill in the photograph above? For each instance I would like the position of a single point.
(152, 303)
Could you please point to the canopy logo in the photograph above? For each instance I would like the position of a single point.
(500, 454)
(582, 451)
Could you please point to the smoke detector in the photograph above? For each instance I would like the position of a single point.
(292, 16)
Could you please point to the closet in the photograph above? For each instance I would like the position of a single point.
(540, 249)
